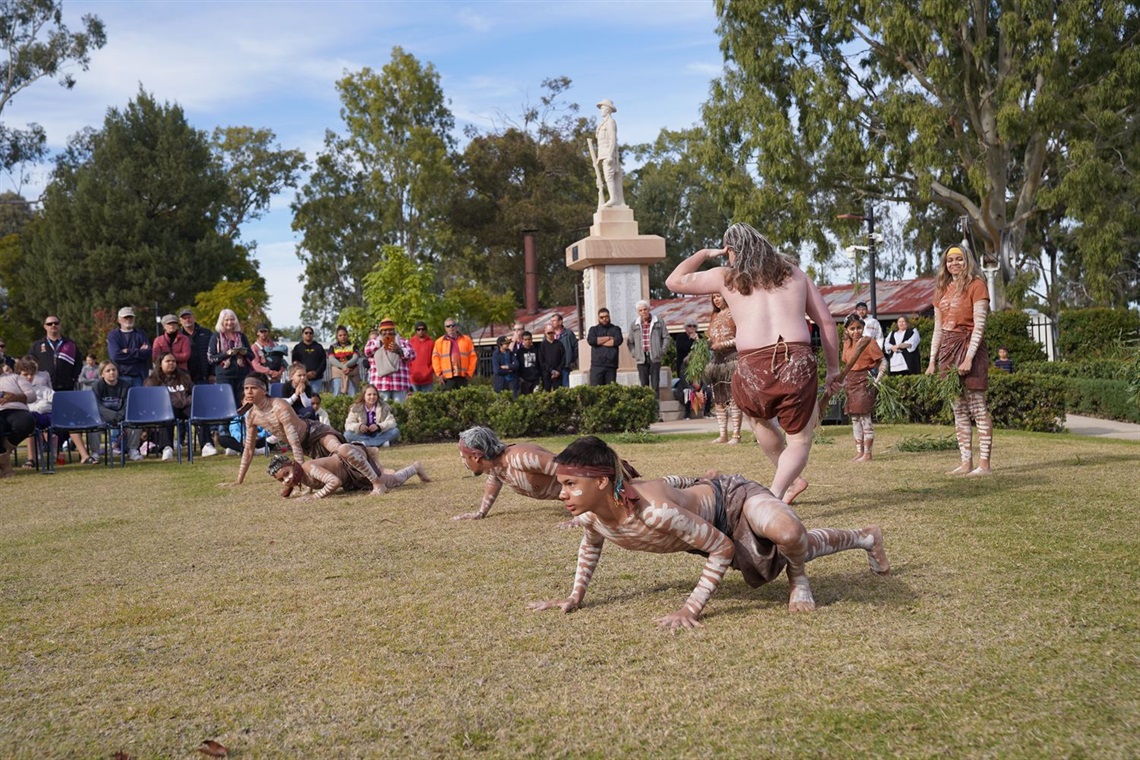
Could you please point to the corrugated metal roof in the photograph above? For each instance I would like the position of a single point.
(895, 298)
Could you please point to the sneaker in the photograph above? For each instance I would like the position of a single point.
(232, 453)
(167, 454)
(261, 451)
(271, 440)
(147, 448)
(208, 450)
(384, 445)
(135, 455)
(116, 453)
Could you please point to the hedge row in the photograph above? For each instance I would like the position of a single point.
(1096, 333)
(441, 416)
(1021, 402)
(1107, 399)
(1099, 369)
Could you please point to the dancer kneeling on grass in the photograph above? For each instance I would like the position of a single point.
(727, 518)
(526, 468)
(961, 302)
(861, 391)
(306, 438)
(350, 467)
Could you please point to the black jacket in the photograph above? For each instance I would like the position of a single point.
(604, 356)
(551, 356)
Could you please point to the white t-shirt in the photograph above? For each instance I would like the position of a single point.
(898, 358)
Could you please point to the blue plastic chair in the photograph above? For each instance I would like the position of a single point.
(149, 407)
(77, 412)
(211, 405)
(277, 390)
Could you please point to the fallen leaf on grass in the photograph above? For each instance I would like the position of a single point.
(120, 755)
(212, 748)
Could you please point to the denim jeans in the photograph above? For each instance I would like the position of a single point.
(400, 396)
(378, 438)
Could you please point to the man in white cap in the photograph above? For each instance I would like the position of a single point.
(608, 161)
(129, 348)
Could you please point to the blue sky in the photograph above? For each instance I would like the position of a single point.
(273, 63)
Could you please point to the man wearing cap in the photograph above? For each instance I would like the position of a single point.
(129, 348)
(453, 358)
(199, 363)
(390, 355)
(871, 327)
(173, 341)
(269, 363)
(420, 366)
(58, 356)
(604, 339)
(608, 161)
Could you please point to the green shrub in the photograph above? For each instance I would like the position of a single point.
(1095, 397)
(441, 416)
(1101, 369)
(1011, 329)
(1027, 402)
(337, 407)
(1023, 402)
(1096, 333)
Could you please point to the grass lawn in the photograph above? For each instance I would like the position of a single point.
(147, 609)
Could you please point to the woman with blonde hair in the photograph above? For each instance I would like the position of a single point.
(370, 421)
(961, 302)
(229, 353)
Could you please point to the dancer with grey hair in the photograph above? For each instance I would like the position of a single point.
(776, 377)
(528, 469)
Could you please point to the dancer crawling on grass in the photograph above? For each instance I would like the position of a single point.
(350, 467)
(775, 378)
(961, 303)
(727, 518)
(526, 468)
(306, 438)
(860, 387)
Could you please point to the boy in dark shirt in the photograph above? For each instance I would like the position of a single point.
(530, 375)
(551, 360)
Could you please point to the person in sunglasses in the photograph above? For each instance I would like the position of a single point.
(419, 368)
(453, 359)
(57, 355)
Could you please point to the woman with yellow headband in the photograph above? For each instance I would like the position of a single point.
(961, 303)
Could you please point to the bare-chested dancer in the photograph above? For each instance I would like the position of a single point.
(727, 518)
(775, 377)
(526, 468)
(305, 437)
(350, 468)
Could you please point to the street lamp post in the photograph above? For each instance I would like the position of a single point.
(869, 218)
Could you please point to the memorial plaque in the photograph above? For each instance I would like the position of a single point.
(623, 291)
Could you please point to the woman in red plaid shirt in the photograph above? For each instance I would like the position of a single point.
(390, 355)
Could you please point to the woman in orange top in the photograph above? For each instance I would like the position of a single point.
(961, 303)
(861, 391)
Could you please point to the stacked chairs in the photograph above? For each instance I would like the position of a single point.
(211, 405)
(150, 407)
(77, 412)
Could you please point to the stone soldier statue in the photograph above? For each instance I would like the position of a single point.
(607, 162)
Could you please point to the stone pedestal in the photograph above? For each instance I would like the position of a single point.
(614, 261)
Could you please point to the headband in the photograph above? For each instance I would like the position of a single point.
(625, 493)
(254, 381)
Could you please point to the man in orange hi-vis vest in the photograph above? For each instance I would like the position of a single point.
(453, 359)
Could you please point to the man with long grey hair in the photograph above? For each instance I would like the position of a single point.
(526, 468)
(776, 376)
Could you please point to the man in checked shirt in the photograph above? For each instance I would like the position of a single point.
(727, 518)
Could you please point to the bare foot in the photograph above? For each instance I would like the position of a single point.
(979, 471)
(801, 599)
(876, 556)
(571, 523)
(961, 469)
(721, 439)
(710, 474)
(795, 489)
(421, 472)
(734, 440)
(378, 490)
(865, 458)
(858, 457)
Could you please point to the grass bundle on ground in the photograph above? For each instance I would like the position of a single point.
(888, 402)
(699, 357)
(927, 443)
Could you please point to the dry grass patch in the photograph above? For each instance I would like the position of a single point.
(147, 609)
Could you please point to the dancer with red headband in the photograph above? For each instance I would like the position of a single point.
(729, 519)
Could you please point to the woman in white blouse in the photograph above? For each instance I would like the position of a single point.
(901, 348)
